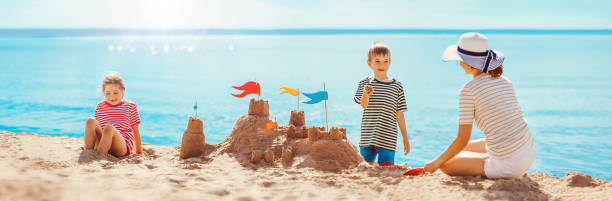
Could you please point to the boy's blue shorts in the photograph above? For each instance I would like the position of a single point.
(369, 154)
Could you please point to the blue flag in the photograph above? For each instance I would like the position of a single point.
(316, 97)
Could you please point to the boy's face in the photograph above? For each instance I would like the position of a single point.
(380, 63)
(113, 93)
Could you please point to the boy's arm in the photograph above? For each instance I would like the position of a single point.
(362, 95)
(365, 100)
(137, 138)
(402, 124)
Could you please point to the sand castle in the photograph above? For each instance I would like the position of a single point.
(294, 145)
(194, 140)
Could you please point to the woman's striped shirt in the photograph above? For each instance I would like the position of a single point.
(379, 119)
(122, 116)
(491, 104)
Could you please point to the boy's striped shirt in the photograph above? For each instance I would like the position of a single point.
(379, 119)
(491, 104)
(122, 116)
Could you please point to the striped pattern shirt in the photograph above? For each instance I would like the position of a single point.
(379, 119)
(122, 116)
(491, 104)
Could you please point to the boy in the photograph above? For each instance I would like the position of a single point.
(384, 104)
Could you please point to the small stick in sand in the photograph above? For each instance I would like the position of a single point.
(195, 108)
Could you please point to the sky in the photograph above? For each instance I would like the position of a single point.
(270, 14)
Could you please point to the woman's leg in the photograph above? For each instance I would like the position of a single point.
(112, 142)
(478, 146)
(93, 132)
(466, 163)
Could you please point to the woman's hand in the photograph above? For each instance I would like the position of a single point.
(432, 166)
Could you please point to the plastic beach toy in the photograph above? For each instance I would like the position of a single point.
(414, 172)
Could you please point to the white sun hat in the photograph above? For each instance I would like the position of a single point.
(473, 49)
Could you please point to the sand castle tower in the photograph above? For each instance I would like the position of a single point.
(297, 125)
(259, 108)
(193, 139)
(297, 118)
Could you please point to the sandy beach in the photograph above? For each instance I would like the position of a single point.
(38, 167)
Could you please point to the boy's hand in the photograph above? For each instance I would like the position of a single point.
(368, 90)
(406, 147)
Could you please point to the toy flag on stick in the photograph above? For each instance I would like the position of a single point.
(271, 125)
(326, 125)
(195, 108)
(247, 88)
(293, 92)
(318, 97)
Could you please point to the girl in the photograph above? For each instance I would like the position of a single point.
(507, 150)
(114, 128)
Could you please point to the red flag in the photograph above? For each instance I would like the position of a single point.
(249, 87)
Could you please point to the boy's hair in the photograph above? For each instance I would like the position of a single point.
(113, 78)
(378, 49)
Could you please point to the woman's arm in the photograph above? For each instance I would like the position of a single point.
(402, 124)
(137, 138)
(463, 137)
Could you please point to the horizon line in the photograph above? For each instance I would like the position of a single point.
(51, 32)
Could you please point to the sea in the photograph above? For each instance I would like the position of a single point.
(51, 81)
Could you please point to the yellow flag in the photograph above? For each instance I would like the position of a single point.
(290, 91)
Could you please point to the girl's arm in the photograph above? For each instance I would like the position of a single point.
(402, 124)
(463, 137)
(137, 138)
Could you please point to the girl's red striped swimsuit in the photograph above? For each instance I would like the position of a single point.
(122, 116)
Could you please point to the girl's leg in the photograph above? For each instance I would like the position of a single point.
(466, 163)
(478, 146)
(112, 142)
(93, 132)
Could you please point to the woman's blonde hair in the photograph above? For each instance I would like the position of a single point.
(113, 78)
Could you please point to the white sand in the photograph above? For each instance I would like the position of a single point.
(36, 167)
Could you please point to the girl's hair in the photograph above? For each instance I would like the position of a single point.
(113, 78)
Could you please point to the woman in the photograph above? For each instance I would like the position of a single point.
(507, 151)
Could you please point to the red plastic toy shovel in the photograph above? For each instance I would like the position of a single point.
(414, 172)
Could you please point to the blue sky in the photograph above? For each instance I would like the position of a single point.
(469, 14)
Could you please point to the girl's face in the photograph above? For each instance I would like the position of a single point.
(113, 93)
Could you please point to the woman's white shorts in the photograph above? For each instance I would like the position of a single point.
(511, 167)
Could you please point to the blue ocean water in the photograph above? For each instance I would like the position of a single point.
(50, 85)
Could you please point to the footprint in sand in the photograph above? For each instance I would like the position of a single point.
(150, 166)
